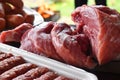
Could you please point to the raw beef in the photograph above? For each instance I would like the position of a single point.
(69, 48)
(73, 48)
(14, 35)
(102, 25)
(38, 40)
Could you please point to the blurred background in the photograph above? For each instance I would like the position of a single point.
(60, 10)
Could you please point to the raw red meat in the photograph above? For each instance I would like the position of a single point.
(73, 50)
(9, 63)
(16, 71)
(38, 40)
(47, 76)
(71, 47)
(102, 25)
(32, 74)
(14, 35)
(4, 56)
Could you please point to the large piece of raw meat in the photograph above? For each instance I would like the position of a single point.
(59, 42)
(102, 25)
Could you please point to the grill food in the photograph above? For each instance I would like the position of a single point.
(12, 14)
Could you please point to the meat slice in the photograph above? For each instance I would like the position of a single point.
(10, 63)
(4, 56)
(47, 76)
(102, 26)
(38, 40)
(16, 71)
(71, 47)
(32, 74)
(27, 44)
(15, 34)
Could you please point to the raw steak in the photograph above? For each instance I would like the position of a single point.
(102, 25)
(14, 35)
(38, 40)
(73, 48)
(70, 48)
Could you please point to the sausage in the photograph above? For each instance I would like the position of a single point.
(16, 34)
(47, 76)
(7, 8)
(29, 18)
(16, 71)
(16, 3)
(32, 74)
(15, 11)
(14, 20)
(4, 56)
(2, 12)
(62, 78)
(2, 24)
(10, 63)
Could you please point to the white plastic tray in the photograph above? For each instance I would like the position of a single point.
(60, 68)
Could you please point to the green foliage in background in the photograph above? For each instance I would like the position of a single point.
(115, 4)
(67, 6)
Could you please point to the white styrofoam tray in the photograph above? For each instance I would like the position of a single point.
(60, 68)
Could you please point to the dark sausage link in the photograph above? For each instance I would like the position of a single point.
(47, 76)
(2, 13)
(4, 56)
(10, 63)
(16, 71)
(32, 74)
(16, 3)
(2, 24)
(62, 78)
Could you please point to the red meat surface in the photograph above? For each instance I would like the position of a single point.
(38, 40)
(14, 35)
(102, 25)
(71, 47)
(98, 28)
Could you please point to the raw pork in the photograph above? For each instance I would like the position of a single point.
(102, 25)
(73, 48)
(59, 42)
(38, 40)
(14, 35)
